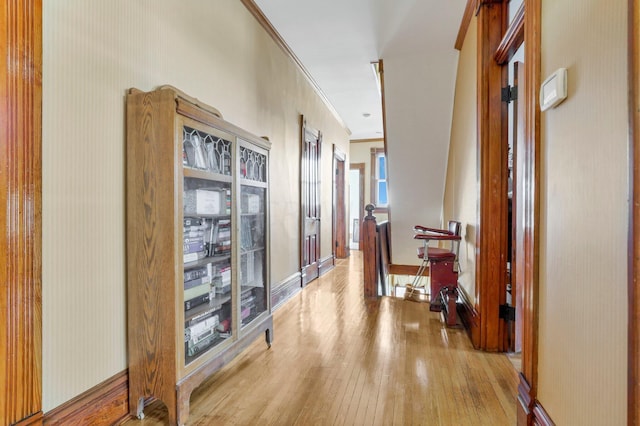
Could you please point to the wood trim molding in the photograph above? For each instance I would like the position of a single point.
(326, 264)
(284, 290)
(540, 416)
(531, 212)
(105, 403)
(395, 269)
(633, 392)
(380, 140)
(21, 220)
(253, 8)
(469, 11)
(372, 178)
(384, 130)
(36, 419)
(525, 402)
(360, 167)
(491, 232)
(513, 38)
(469, 316)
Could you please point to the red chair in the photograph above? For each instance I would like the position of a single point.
(443, 268)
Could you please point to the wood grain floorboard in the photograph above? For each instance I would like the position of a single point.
(337, 359)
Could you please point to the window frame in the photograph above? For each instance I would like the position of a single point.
(375, 152)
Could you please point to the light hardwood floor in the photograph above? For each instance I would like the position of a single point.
(339, 360)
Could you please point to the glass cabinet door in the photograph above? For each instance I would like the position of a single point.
(207, 236)
(253, 238)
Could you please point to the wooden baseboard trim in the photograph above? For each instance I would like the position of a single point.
(525, 402)
(406, 270)
(105, 403)
(32, 420)
(468, 314)
(325, 265)
(284, 290)
(540, 416)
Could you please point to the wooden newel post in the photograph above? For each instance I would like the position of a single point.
(369, 241)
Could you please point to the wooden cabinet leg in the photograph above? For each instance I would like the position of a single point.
(268, 335)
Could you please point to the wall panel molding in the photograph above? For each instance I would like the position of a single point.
(21, 220)
(633, 398)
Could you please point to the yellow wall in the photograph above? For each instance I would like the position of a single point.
(94, 52)
(461, 187)
(583, 247)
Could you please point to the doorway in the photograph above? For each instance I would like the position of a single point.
(340, 242)
(356, 203)
(515, 198)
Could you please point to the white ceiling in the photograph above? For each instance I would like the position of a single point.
(336, 40)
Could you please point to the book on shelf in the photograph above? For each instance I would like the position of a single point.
(189, 222)
(193, 257)
(193, 245)
(189, 234)
(202, 316)
(205, 201)
(245, 313)
(197, 282)
(196, 273)
(198, 290)
(197, 301)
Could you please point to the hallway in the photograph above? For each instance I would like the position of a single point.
(338, 360)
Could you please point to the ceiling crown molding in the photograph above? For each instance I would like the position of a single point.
(270, 29)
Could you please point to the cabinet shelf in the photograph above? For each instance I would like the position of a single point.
(207, 260)
(215, 304)
(176, 211)
(206, 175)
(244, 251)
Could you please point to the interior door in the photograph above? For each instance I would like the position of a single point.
(311, 151)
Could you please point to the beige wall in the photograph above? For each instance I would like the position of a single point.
(360, 152)
(583, 247)
(461, 188)
(417, 140)
(94, 52)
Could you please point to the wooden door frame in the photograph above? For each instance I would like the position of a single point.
(526, 27)
(633, 398)
(339, 243)
(491, 232)
(517, 257)
(21, 220)
(528, 386)
(361, 167)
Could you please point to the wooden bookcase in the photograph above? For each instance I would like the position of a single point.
(197, 245)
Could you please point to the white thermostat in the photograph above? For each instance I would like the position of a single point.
(553, 89)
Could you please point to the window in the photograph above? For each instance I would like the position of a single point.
(379, 192)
